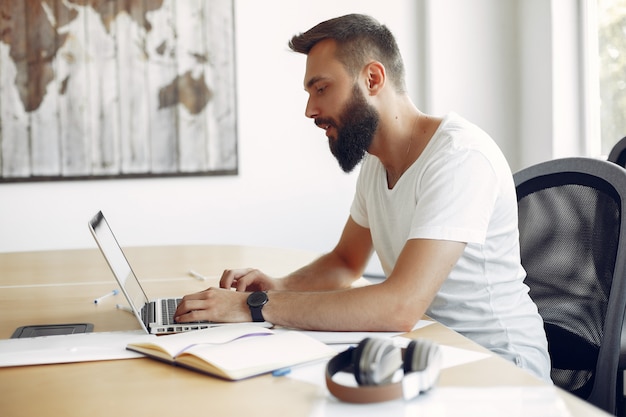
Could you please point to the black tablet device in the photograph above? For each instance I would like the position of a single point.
(51, 330)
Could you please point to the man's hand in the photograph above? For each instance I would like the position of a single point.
(214, 304)
(247, 280)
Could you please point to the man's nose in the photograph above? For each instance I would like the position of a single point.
(310, 110)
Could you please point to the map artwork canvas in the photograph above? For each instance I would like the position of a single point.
(116, 88)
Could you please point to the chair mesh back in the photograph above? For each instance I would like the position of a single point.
(568, 239)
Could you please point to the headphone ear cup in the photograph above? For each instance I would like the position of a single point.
(357, 353)
(423, 357)
(375, 361)
(408, 357)
(418, 355)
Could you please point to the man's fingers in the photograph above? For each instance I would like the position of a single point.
(231, 276)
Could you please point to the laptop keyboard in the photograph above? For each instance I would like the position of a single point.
(168, 308)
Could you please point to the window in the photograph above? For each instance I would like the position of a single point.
(611, 32)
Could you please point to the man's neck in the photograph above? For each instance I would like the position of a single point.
(401, 141)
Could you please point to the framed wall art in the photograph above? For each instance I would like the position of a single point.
(93, 89)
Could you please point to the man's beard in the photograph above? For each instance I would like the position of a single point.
(355, 131)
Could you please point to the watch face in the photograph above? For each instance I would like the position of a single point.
(257, 299)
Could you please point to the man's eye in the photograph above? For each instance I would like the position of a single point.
(320, 90)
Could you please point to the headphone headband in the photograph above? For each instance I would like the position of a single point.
(362, 394)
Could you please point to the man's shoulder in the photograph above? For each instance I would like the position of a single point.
(370, 164)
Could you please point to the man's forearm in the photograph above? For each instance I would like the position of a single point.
(356, 309)
(329, 272)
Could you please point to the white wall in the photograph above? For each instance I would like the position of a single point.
(552, 120)
(491, 61)
(290, 191)
(514, 68)
(473, 65)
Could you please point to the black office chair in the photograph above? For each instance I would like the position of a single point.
(618, 153)
(618, 156)
(572, 232)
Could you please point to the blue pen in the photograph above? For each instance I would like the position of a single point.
(97, 300)
(281, 372)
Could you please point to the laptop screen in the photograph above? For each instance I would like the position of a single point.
(117, 261)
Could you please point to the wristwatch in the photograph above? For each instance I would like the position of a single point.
(256, 301)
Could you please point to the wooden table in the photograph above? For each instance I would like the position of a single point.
(60, 286)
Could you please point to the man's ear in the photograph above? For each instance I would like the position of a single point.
(375, 77)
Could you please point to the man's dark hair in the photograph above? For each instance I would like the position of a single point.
(359, 38)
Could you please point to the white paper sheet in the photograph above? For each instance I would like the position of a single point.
(315, 373)
(455, 402)
(81, 347)
(440, 401)
(348, 338)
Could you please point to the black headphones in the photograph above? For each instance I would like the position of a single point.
(375, 361)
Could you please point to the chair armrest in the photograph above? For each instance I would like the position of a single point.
(622, 352)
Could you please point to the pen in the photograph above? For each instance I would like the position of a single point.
(197, 276)
(97, 300)
(121, 307)
(281, 372)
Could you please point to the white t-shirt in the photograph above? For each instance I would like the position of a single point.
(461, 189)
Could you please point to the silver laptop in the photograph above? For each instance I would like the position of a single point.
(157, 316)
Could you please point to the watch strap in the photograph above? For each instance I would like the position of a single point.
(257, 313)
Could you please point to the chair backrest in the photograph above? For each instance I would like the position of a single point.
(572, 233)
(618, 153)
